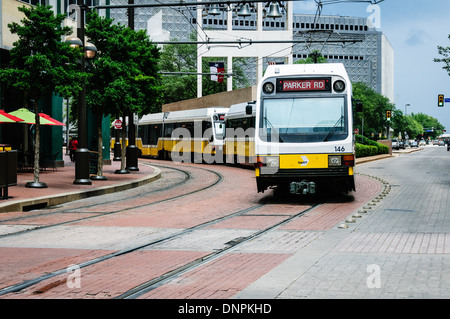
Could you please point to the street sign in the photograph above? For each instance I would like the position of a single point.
(447, 100)
(118, 124)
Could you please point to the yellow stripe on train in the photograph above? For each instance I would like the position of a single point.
(290, 161)
(310, 161)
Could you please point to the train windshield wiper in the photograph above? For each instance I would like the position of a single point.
(331, 133)
(273, 129)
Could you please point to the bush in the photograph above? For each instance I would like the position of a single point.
(367, 147)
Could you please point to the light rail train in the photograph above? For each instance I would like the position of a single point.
(298, 133)
(304, 128)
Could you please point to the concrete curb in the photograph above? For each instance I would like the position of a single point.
(50, 200)
(384, 156)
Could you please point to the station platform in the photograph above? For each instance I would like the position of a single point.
(60, 188)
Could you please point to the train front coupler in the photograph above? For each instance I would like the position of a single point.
(304, 187)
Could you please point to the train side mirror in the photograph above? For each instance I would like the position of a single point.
(249, 108)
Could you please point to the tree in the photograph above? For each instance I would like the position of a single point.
(183, 58)
(125, 78)
(179, 58)
(406, 124)
(375, 106)
(41, 64)
(445, 52)
(413, 128)
(313, 58)
(431, 126)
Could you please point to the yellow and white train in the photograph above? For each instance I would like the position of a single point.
(298, 133)
(304, 128)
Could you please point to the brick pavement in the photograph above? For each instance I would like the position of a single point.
(137, 226)
(398, 249)
(405, 238)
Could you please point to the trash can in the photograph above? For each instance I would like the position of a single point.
(8, 172)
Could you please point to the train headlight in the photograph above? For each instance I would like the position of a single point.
(339, 86)
(272, 161)
(268, 87)
(334, 160)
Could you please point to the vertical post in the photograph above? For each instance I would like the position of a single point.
(67, 127)
(199, 56)
(132, 150)
(82, 153)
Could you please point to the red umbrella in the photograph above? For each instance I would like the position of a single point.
(8, 118)
(49, 118)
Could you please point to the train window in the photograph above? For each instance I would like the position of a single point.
(303, 120)
(168, 129)
(151, 134)
(244, 123)
(143, 133)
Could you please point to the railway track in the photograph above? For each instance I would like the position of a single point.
(144, 191)
(154, 282)
(167, 277)
(230, 239)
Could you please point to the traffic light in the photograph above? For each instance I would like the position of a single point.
(441, 100)
(388, 115)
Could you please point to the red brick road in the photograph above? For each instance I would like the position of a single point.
(137, 220)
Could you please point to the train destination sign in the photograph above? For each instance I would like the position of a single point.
(304, 85)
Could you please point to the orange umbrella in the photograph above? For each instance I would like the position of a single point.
(48, 117)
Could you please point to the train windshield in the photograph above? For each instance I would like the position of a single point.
(303, 120)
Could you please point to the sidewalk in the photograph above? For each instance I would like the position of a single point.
(61, 188)
(383, 156)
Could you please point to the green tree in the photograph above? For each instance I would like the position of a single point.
(406, 124)
(314, 57)
(125, 78)
(431, 126)
(445, 52)
(41, 63)
(179, 58)
(375, 106)
(183, 58)
(413, 128)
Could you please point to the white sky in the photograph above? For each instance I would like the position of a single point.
(414, 28)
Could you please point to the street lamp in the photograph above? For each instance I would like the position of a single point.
(82, 154)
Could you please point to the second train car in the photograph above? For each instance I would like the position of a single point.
(188, 136)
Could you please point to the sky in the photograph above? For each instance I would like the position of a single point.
(414, 28)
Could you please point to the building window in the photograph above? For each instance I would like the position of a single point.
(35, 2)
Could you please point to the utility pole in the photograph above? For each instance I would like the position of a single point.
(132, 150)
